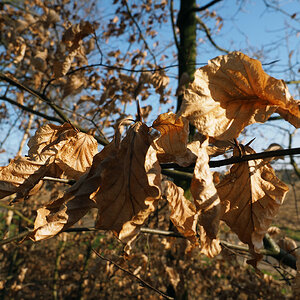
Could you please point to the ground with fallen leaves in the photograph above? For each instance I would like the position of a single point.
(65, 267)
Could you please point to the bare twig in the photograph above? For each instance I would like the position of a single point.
(101, 140)
(144, 283)
(14, 238)
(30, 110)
(204, 7)
(25, 136)
(61, 180)
(57, 267)
(237, 159)
(173, 25)
(140, 32)
(40, 96)
(293, 163)
(208, 34)
(17, 212)
(292, 82)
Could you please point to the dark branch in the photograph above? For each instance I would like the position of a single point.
(43, 98)
(144, 283)
(40, 96)
(204, 7)
(237, 159)
(208, 35)
(30, 110)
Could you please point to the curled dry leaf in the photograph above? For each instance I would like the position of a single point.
(207, 202)
(274, 147)
(74, 85)
(39, 60)
(72, 39)
(22, 176)
(183, 213)
(73, 150)
(172, 145)
(53, 151)
(233, 91)
(20, 48)
(251, 214)
(75, 34)
(62, 66)
(123, 183)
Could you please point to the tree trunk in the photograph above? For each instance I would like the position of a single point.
(186, 23)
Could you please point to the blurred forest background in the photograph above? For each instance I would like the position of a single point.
(87, 62)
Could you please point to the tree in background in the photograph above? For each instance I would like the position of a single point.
(83, 66)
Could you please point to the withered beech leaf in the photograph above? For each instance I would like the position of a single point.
(73, 150)
(129, 184)
(233, 91)
(251, 195)
(171, 146)
(123, 183)
(183, 213)
(22, 176)
(59, 215)
(62, 213)
(76, 33)
(53, 151)
(207, 202)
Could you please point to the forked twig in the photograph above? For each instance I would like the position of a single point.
(144, 283)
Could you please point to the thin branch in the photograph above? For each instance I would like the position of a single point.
(204, 7)
(30, 110)
(25, 136)
(101, 140)
(40, 96)
(61, 180)
(143, 283)
(271, 248)
(173, 25)
(140, 31)
(17, 212)
(292, 82)
(208, 34)
(236, 159)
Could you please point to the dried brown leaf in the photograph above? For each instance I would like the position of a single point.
(54, 151)
(123, 183)
(233, 91)
(22, 176)
(251, 195)
(183, 213)
(39, 60)
(74, 85)
(207, 202)
(73, 150)
(75, 34)
(171, 146)
(62, 66)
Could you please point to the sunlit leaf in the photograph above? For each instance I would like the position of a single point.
(73, 150)
(123, 183)
(171, 146)
(207, 202)
(251, 195)
(183, 213)
(233, 91)
(53, 151)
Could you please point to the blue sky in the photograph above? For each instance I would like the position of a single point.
(248, 26)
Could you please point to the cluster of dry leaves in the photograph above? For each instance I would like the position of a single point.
(124, 180)
(46, 41)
